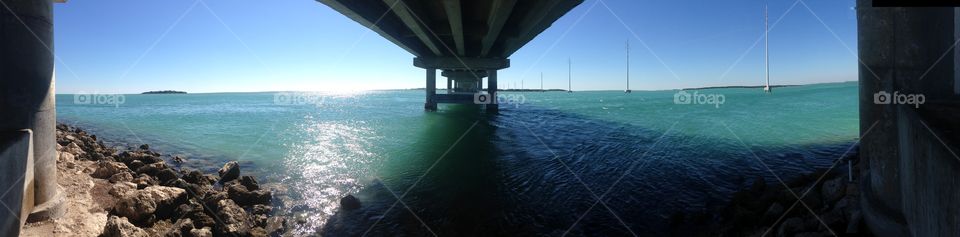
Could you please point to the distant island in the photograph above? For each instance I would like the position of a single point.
(731, 87)
(165, 92)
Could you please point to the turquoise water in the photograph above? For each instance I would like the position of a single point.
(537, 167)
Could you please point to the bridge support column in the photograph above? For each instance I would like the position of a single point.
(27, 97)
(431, 103)
(492, 90)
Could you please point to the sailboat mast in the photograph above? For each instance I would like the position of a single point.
(628, 64)
(766, 46)
(569, 75)
(541, 81)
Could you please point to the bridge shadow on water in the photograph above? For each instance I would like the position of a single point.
(537, 172)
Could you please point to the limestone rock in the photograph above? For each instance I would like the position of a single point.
(230, 171)
(105, 169)
(121, 177)
(204, 232)
(249, 182)
(244, 197)
(790, 226)
(153, 201)
(120, 189)
(120, 227)
(235, 220)
(833, 189)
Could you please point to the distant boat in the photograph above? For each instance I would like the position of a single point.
(541, 81)
(627, 48)
(569, 75)
(766, 51)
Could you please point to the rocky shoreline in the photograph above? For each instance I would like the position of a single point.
(133, 192)
(829, 198)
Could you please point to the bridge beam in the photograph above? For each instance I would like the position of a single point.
(542, 16)
(496, 21)
(455, 16)
(448, 63)
(413, 21)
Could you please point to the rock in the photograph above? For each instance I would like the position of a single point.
(790, 226)
(152, 169)
(250, 182)
(144, 147)
(832, 190)
(144, 181)
(203, 232)
(834, 219)
(773, 213)
(178, 159)
(121, 177)
(165, 175)
(154, 201)
(213, 197)
(135, 164)
(66, 157)
(275, 225)
(349, 202)
(74, 149)
(230, 171)
(105, 169)
(120, 227)
(197, 177)
(235, 220)
(195, 211)
(120, 189)
(181, 228)
(244, 197)
(258, 231)
(260, 209)
(853, 226)
(811, 234)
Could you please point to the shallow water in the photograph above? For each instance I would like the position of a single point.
(535, 168)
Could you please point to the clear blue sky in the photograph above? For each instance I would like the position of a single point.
(111, 46)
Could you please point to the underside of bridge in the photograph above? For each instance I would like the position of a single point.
(469, 40)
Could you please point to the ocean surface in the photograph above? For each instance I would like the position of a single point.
(538, 167)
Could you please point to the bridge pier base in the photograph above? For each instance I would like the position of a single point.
(492, 91)
(431, 102)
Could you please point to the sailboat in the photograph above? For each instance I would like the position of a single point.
(766, 51)
(541, 81)
(628, 67)
(569, 75)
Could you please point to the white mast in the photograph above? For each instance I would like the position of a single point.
(628, 66)
(569, 75)
(766, 49)
(541, 81)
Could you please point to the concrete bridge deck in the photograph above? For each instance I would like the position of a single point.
(468, 40)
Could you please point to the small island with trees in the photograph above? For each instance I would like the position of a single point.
(165, 92)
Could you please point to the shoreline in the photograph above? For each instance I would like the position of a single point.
(825, 197)
(112, 191)
(115, 191)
